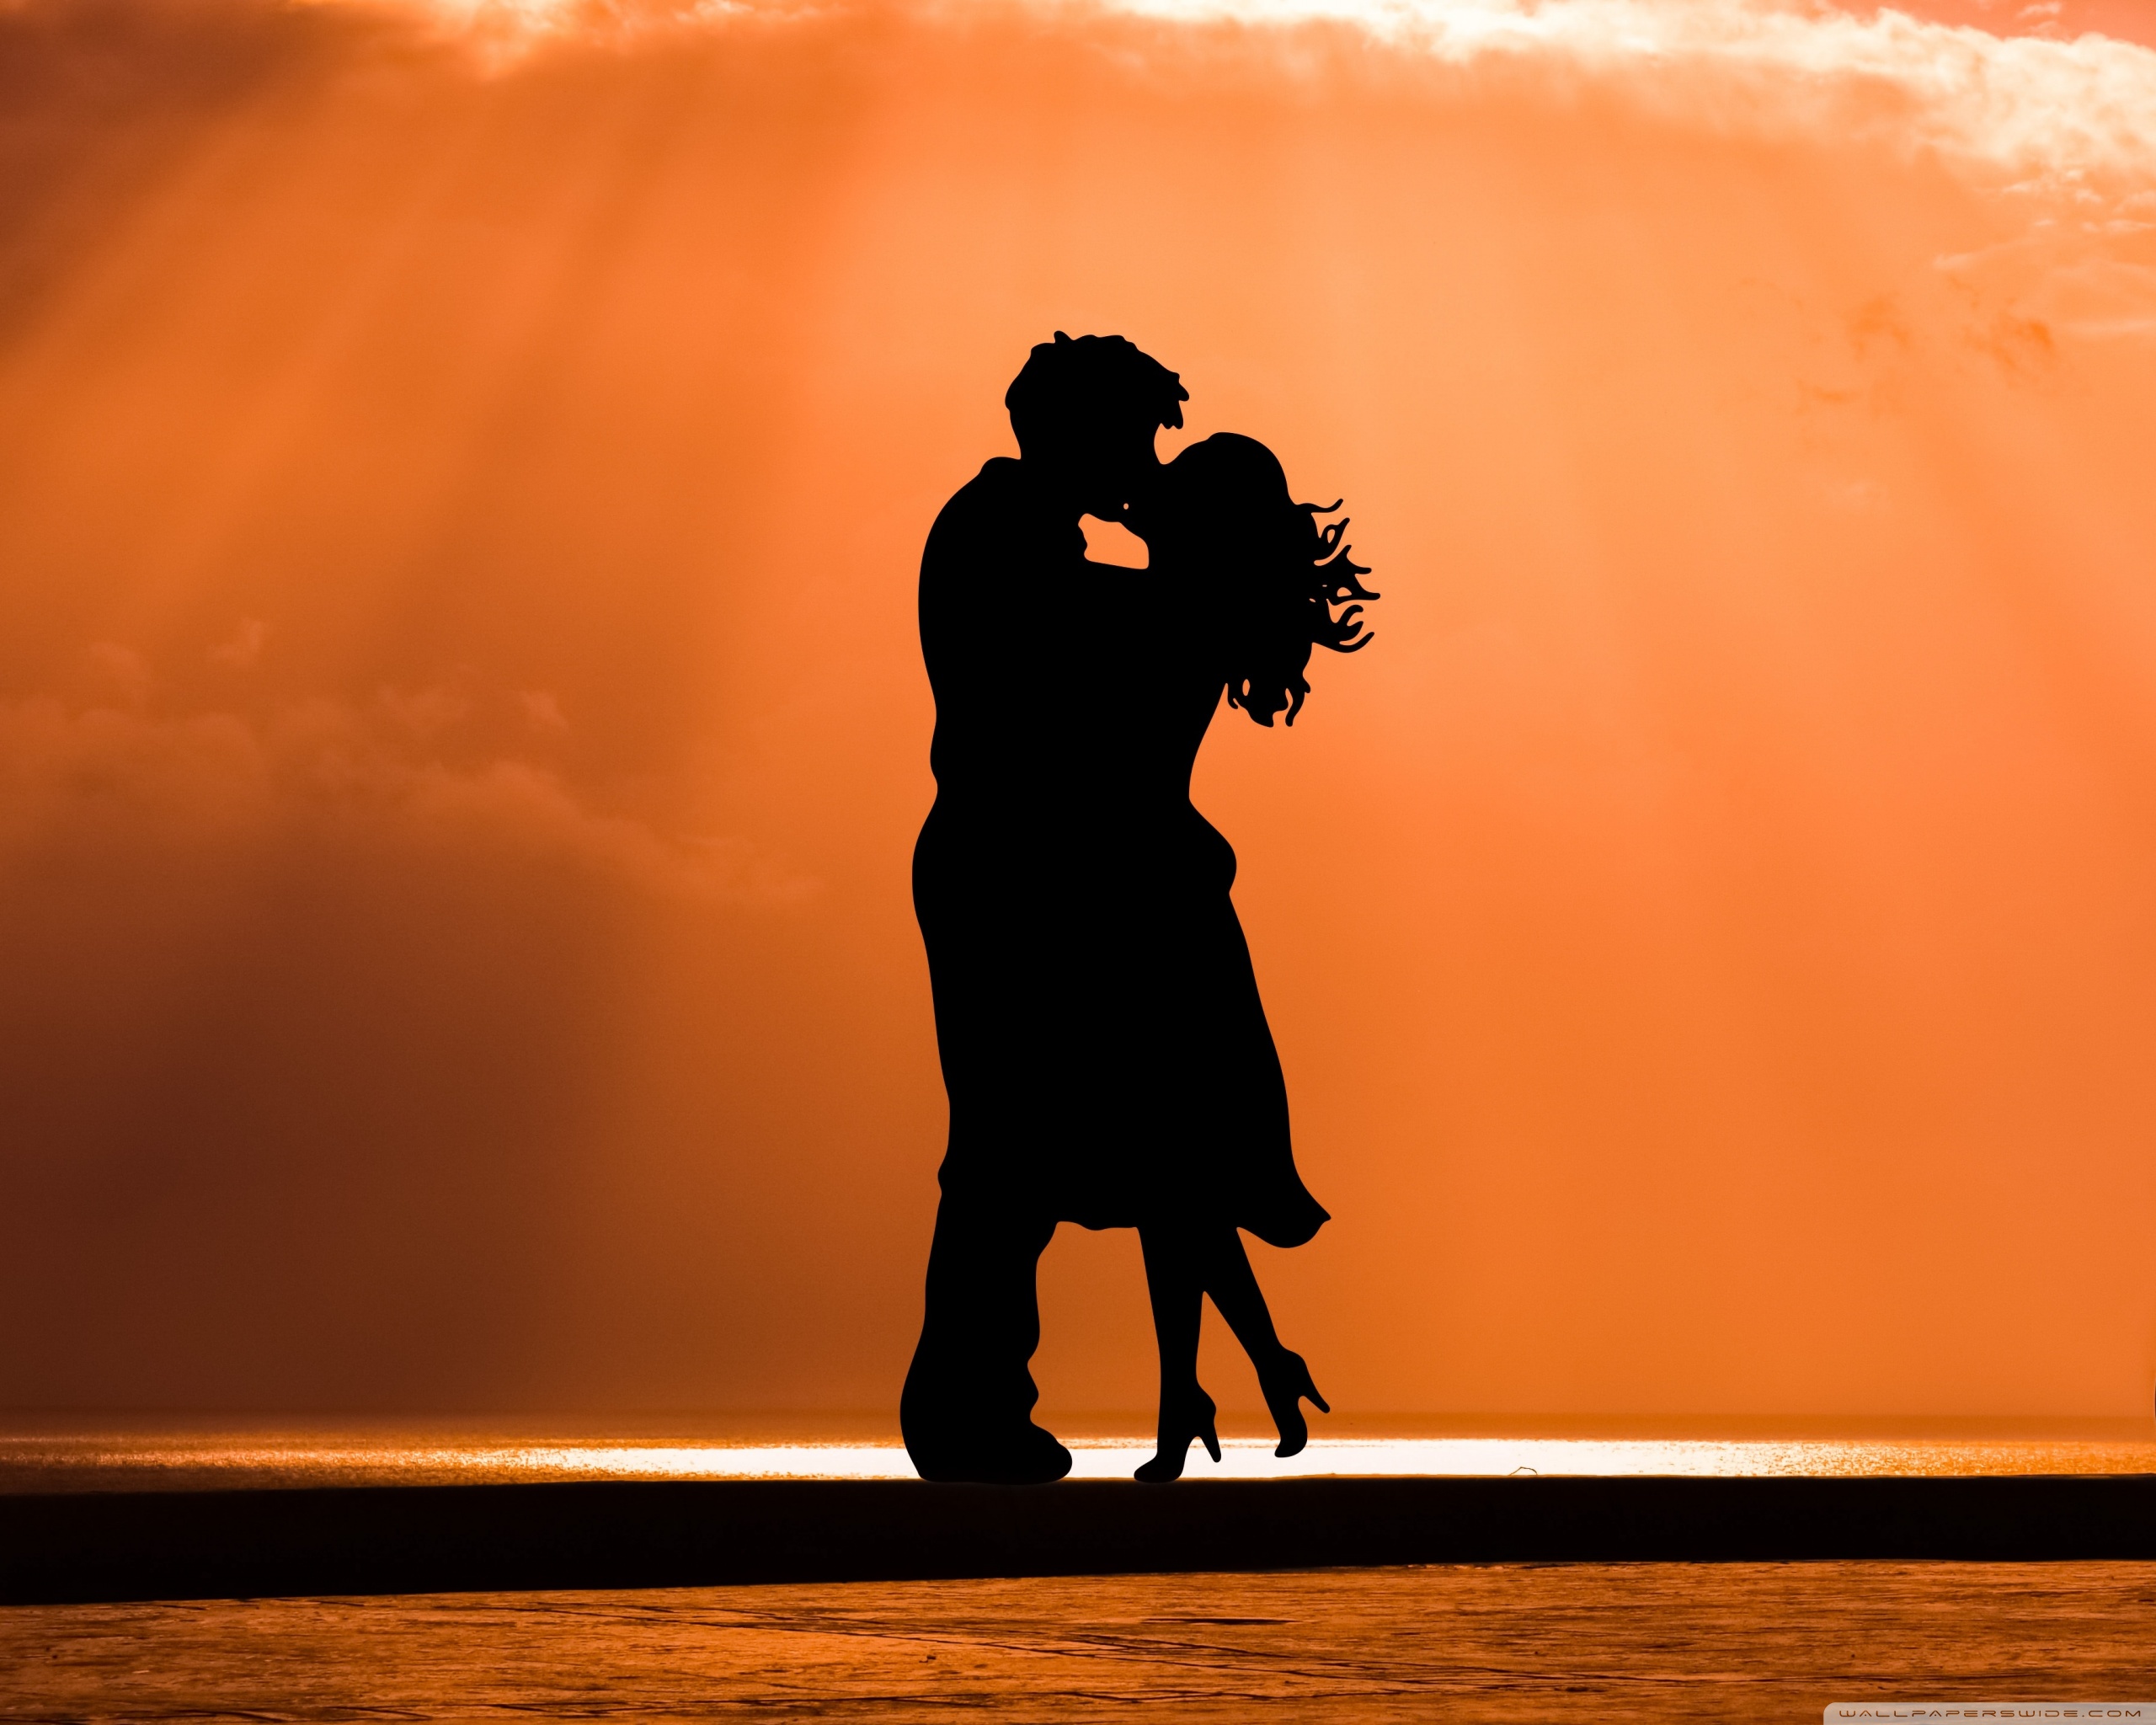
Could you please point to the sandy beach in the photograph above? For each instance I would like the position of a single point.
(1663, 1643)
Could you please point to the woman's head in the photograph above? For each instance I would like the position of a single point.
(1277, 572)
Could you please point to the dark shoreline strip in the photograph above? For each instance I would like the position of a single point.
(123, 1546)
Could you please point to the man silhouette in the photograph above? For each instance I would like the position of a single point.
(1012, 616)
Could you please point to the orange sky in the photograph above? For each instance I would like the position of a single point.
(462, 476)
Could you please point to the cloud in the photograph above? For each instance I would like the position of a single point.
(2009, 89)
(327, 769)
(2004, 97)
(2018, 102)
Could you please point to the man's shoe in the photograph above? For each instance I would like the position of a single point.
(1030, 1458)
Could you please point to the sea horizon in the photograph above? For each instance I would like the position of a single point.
(56, 1451)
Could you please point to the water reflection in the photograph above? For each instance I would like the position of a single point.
(59, 1460)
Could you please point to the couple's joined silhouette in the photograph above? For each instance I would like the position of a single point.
(1105, 1054)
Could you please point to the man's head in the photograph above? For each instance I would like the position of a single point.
(1085, 412)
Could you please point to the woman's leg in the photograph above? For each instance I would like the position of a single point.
(1224, 1268)
(1176, 1287)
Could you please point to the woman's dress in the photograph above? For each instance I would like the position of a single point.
(1105, 1051)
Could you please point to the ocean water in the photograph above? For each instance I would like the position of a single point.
(89, 1454)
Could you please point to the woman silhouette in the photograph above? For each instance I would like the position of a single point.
(1259, 583)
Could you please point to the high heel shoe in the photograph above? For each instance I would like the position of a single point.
(1286, 1386)
(1193, 1420)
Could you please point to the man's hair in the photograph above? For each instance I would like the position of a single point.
(1068, 388)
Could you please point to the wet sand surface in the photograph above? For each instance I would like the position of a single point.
(1658, 1643)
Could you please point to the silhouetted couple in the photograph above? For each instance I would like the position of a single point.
(1105, 1054)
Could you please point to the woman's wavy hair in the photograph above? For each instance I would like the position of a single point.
(1281, 574)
